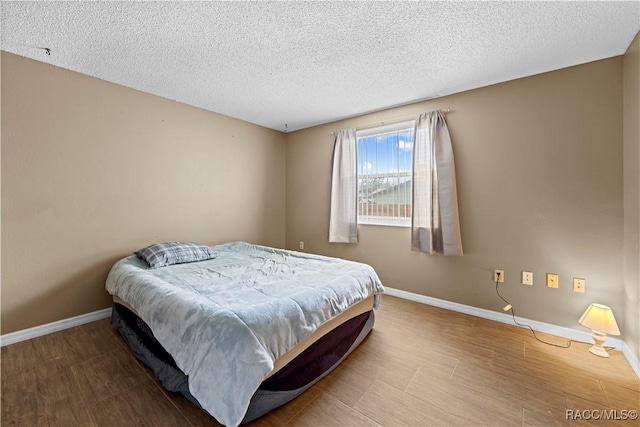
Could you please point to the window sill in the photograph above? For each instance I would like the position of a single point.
(389, 224)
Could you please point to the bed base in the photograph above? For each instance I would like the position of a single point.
(282, 386)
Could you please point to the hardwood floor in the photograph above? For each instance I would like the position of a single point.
(420, 366)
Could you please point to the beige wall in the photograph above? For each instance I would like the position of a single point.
(92, 171)
(85, 167)
(539, 169)
(631, 150)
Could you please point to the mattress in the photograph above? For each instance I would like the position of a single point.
(232, 322)
(294, 372)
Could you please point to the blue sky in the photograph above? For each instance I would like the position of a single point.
(387, 153)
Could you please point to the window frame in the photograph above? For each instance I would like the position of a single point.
(385, 130)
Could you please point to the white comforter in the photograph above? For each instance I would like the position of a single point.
(226, 320)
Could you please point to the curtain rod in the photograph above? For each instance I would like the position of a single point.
(391, 122)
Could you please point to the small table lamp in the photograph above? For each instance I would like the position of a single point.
(599, 318)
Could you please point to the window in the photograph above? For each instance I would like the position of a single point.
(376, 172)
(384, 165)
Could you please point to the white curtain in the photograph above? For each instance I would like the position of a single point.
(343, 226)
(435, 227)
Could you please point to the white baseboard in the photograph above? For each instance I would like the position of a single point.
(631, 358)
(49, 328)
(548, 328)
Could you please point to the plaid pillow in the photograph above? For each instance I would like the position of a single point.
(163, 254)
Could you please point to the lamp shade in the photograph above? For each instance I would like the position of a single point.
(598, 317)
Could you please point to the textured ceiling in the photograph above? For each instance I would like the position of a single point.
(307, 63)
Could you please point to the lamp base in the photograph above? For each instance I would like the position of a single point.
(598, 351)
(597, 348)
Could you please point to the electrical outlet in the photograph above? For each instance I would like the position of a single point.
(527, 278)
(578, 285)
(552, 280)
(498, 276)
(301, 245)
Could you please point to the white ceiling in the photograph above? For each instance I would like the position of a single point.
(307, 63)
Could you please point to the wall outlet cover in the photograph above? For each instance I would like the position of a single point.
(578, 285)
(527, 278)
(552, 280)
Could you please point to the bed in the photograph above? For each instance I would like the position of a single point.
(247, 329)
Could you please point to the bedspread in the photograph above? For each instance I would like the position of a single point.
(227, 319)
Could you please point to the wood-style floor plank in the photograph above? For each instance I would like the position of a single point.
(17, 398)
(533, 418)
(390, 406)
(70, 411)
(420, 365)
(345, 385)
(325, 410)
(17, 357)
(106, 375)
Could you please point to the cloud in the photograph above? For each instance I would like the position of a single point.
(404, 145)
